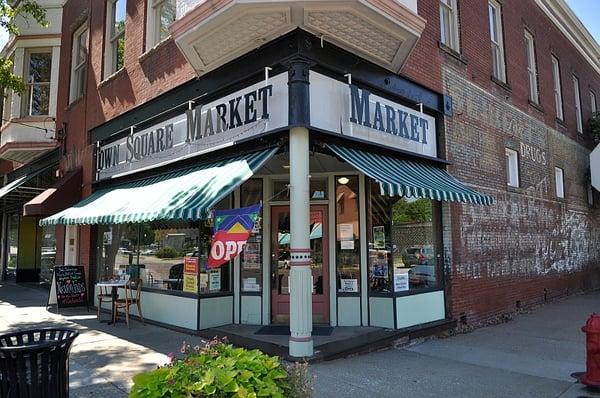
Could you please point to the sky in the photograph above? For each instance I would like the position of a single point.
(587, 10)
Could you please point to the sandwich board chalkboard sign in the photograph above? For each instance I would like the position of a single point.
(68, 287)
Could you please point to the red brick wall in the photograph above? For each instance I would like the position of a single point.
(529, 245)
(145, 76)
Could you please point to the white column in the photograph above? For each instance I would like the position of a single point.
(301, 343)
(19, 70)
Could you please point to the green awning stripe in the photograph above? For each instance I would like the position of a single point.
(187, 194)
(398, 177)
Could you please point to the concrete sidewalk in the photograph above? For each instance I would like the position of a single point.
(531, 356)
(103, 358)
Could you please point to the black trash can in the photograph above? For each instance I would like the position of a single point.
(35, 363)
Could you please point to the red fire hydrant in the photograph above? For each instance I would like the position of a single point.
(592, 332)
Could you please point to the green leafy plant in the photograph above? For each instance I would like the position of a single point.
(168, 252)
(220, 370)
(594, 123)
(9, 11)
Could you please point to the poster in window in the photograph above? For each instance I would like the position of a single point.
(400, 280)
(250, 285)
(379, 265)
(379, 237)
(214, 280)
(349, 285)
(252, 257)
(190, 274)
(346, 236)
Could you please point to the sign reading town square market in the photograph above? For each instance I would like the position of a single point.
(247, 113)
(356, 113)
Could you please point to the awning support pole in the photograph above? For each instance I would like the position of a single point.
(301, 343)
(301, 285)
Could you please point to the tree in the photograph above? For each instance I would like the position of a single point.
(10, 10)
(417, 211)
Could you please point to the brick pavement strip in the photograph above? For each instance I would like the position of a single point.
(531, 356)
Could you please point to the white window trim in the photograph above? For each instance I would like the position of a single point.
(559, 182)
(110, 40)
(28, 92)
(453, 41)
(558, 104)
(578, 114)
(498, 58)
(532, 68)
(153, 24)
(75, 92)
(593, 103)
(512, 167)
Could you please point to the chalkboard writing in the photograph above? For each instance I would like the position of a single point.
(68, 288)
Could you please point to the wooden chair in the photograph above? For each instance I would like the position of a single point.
(105, 293)
(133, 292)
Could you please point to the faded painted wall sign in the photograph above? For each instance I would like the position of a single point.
(533, 153)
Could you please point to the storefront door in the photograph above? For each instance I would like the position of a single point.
(280, 264)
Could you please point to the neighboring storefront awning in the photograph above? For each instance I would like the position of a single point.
(399, 177)
(187, 194)
(62, 195)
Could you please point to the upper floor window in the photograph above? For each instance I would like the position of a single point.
(559, 182)
(498, 65)
(531, 68)
(557, 89)
(161, 14)
(114, 56)
(512, 168)
(593, 103)
(79, 54)
(577, 104)
(37, 76)
(449, 24)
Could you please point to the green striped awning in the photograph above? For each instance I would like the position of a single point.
(399, 177)
(187, 194)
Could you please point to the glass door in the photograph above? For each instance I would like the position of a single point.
(280, 264)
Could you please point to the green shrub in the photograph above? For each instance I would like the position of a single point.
(219, 370)
(167, 252)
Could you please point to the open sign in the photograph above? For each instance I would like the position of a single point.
(225, 247)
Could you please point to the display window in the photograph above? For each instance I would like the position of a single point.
(251, 193)
(347, 242)
(403, 244)
(167, 256)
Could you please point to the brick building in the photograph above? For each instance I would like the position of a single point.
(357, 120)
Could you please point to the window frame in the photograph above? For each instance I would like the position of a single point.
(578, 113)
(593, 102)
(532, 73)
(453, 41)
(557, 88)
(112, 39)
(27, 95)
(76, 92)
(497, 46)
(512, 160)
(559, 173)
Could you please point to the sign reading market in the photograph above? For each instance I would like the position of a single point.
(202, 128)
(351, 111)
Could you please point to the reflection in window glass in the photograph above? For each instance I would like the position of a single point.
(38, 84)
(251, 259)
(318, 189)
(12, 243)
(118, 249)
(48, 252)
(402, 252)
(347, 235)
